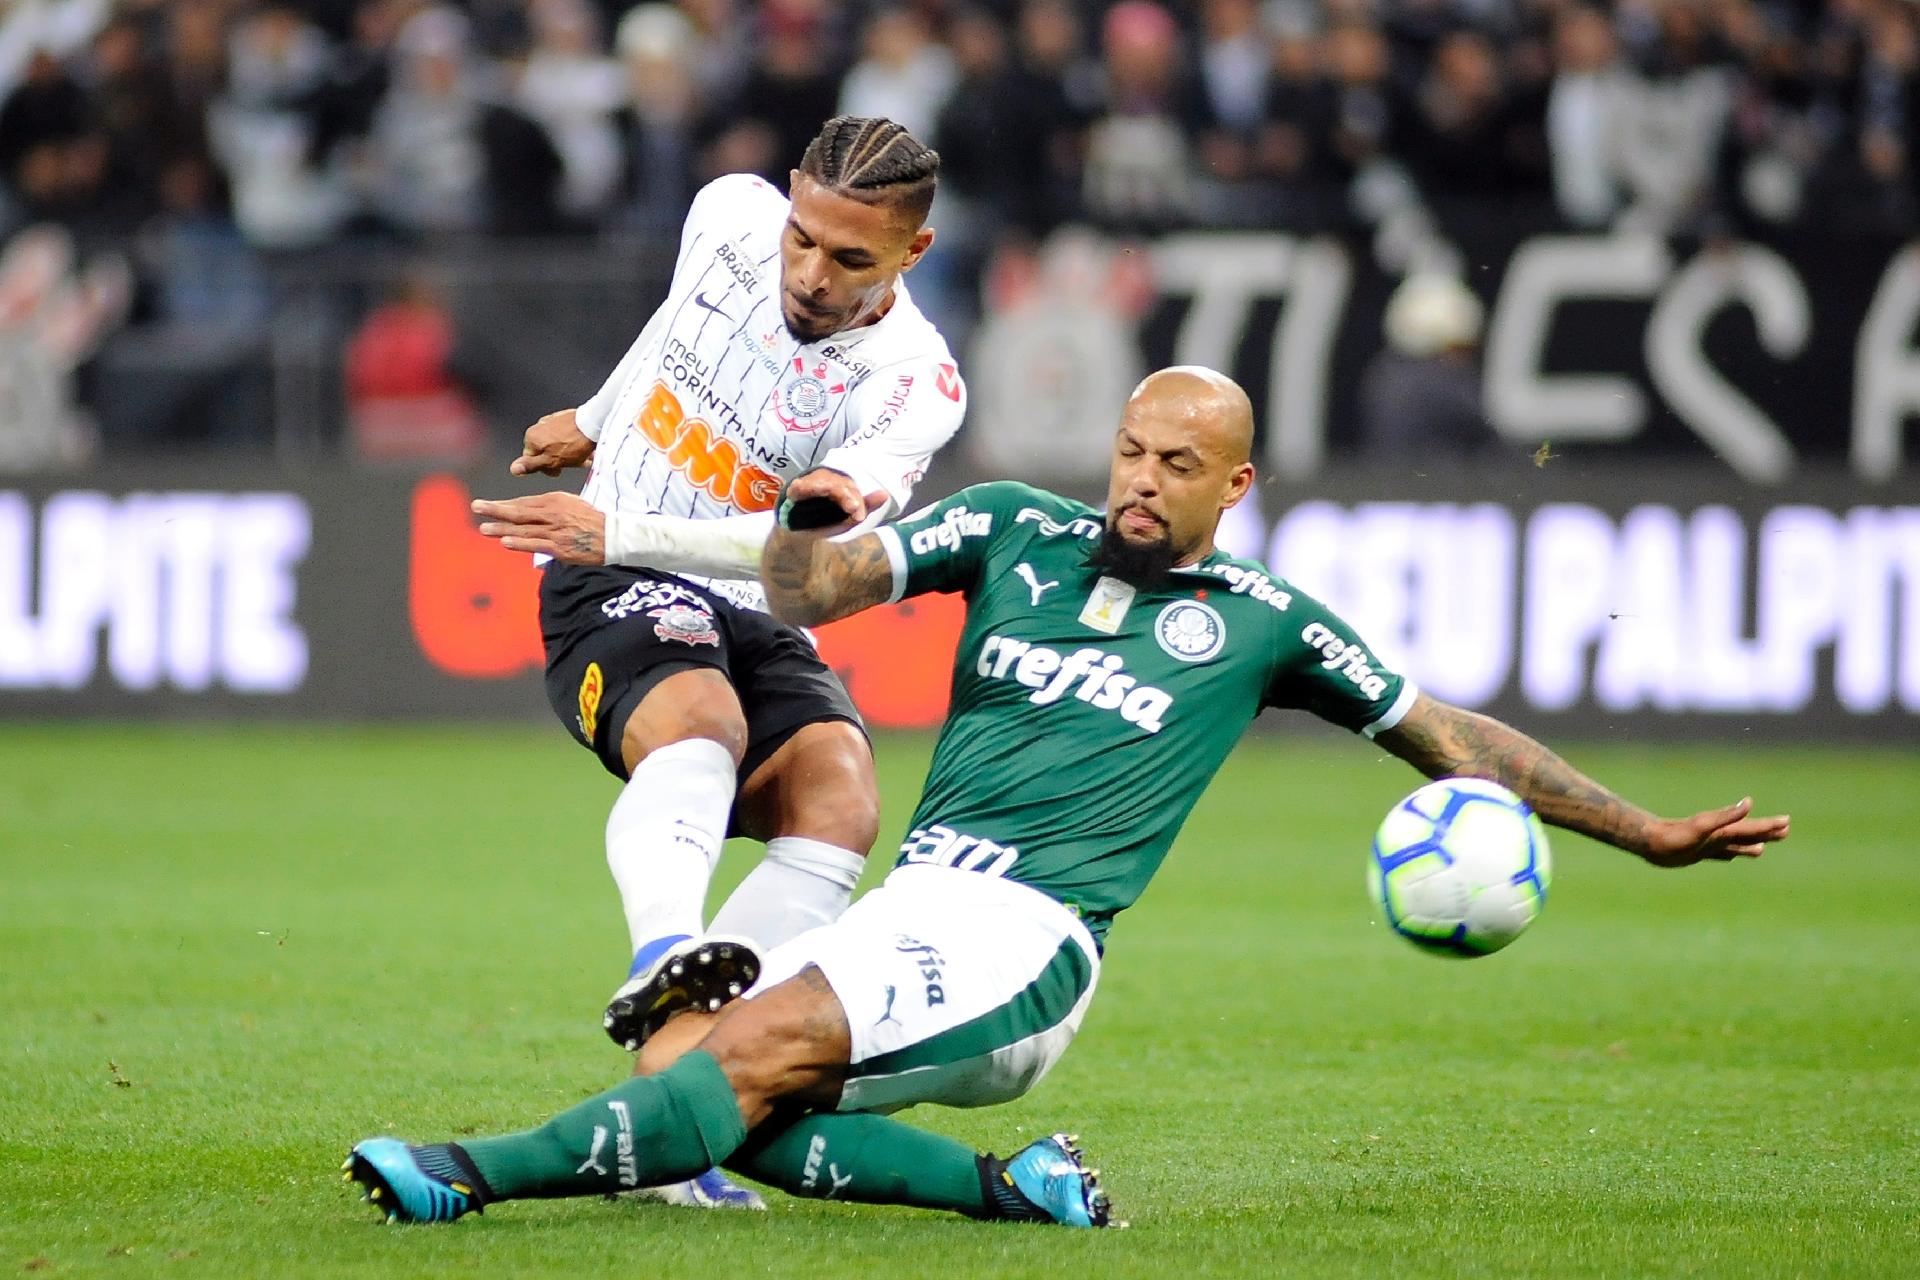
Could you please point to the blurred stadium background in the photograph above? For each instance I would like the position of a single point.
(1583, 339)
(1585, 348)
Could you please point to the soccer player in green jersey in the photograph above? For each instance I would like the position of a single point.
(1108, 664)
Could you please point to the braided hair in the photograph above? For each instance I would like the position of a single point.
(873, 160)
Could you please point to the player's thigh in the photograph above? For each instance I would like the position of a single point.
(808, 768)
(613, 638)
(691, 702)
(959, 988)
(818, 784)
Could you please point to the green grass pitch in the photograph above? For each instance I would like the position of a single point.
(226, 954)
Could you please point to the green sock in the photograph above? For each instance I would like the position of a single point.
(644, 1131)
(864, 1157)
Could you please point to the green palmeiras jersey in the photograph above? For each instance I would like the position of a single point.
(1088, 716)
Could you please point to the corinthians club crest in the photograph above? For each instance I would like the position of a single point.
(804, 403)
(684, 623)
(1190, 631)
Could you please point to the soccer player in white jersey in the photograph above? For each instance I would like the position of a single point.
(787, 343)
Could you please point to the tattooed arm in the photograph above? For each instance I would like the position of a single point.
(811, 580)
(1441, 740)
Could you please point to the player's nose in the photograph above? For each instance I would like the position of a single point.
(813, 276)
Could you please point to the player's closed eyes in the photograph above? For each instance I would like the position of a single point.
(850, 259)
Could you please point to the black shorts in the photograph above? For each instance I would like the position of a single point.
(612, 634)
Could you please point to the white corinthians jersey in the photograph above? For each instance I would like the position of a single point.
(716, 405)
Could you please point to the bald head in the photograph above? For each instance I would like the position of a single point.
(1180, 459)
(1210, 404)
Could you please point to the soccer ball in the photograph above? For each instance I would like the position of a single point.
(1460, 867)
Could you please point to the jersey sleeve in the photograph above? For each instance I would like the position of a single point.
(943, 547)
(1321, 665)
(900, 418)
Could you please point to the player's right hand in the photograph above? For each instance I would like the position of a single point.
(824, 502)
(1718, 835)
(552, 445)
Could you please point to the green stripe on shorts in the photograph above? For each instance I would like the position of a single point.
(1044, 1003)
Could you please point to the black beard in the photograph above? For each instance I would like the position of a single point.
(1147, 566)
(804, 337)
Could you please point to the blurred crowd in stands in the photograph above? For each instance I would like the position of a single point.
(209, 141)
(314, 120)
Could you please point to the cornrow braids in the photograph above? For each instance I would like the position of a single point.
(873, 159)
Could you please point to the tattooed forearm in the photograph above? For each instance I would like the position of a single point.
(1440, 740)
(811, 580)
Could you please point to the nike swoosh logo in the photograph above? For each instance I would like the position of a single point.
(700, 300)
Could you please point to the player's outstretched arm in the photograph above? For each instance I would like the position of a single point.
(569, 528)
(1442, 740)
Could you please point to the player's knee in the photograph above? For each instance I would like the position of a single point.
(857, 819)
(789, 1043)
(731, 735)
(667, 1045)
(722, 724)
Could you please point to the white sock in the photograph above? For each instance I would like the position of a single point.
(801, 884)
(664, 836)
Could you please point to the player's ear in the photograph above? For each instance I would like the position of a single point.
(917, 248)
(1239, 484)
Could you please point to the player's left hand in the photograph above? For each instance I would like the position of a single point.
(1718, 835)
(562, 525)
(812, 497)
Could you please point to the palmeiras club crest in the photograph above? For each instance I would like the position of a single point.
(1190, 631)
(805, 403)
(685, 623)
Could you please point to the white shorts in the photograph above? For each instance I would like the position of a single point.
(959, 987)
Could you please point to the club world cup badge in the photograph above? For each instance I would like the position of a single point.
(684, 623)
(804, 402)
(1190, 631)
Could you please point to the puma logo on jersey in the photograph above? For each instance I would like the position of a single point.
(1035, 587)
(1103, 681)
